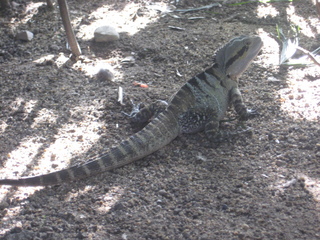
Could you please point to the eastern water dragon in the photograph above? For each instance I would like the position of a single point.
(199, 105)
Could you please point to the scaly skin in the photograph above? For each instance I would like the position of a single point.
(199, 105)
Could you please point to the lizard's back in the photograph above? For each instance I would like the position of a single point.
(199, 105)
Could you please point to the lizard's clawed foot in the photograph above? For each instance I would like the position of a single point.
(146, 114)
(251, 113)
(134, 111)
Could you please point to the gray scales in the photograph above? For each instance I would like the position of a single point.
(199, 105)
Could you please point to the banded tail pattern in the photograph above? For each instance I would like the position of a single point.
(199, 105)
(153, 137)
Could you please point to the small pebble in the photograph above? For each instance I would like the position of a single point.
(104, 75)
(106, 34)
(25, 35)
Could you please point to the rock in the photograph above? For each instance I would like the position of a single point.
(129, 60)
(105, 75)
(105, 34)
(118, 206)
(280, 163)
(3, 205)
(46, 229)
(25, 35)
(54, 47)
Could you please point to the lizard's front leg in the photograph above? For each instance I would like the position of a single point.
(237, 102)
(214, 133)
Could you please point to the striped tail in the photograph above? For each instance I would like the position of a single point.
(161, 131)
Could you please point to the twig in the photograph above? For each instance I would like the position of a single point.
(176, 28)
(318, 7)
(199, 8)
(233, 16)
(64, 12)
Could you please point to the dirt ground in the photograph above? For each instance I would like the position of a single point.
(262, 184)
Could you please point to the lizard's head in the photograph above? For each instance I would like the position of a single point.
(235, 57)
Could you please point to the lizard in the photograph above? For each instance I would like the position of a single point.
(199, 105)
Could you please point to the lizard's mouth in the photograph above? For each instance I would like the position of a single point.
(240, 62)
